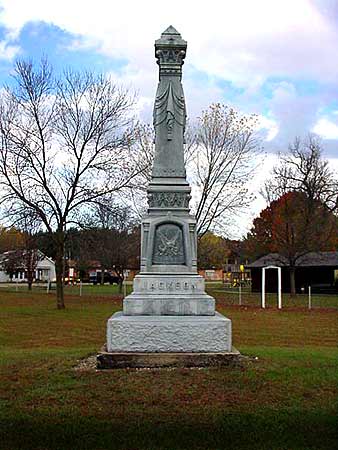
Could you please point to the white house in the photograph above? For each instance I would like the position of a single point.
(45, 270)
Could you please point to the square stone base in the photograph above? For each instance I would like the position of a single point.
(130, 360)
(153, 334)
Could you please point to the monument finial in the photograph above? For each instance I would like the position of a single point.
(171, 30)
(170, 52)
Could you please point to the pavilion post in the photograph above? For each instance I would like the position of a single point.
(279, 288)
(263, 287)
(310, 298)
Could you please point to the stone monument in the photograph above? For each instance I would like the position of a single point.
(169, 310)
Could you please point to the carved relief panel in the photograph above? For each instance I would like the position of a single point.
(168, 245)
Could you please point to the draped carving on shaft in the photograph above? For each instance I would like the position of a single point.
(169, 108)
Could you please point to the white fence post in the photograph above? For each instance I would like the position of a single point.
(47, 286)
(310, 299)
(80, 288)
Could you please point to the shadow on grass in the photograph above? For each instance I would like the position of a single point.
(269, 430)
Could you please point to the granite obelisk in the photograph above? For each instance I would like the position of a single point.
(169, 310)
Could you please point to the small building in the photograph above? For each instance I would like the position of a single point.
(44, 271)
(211, 274)
(231, 274)
(316, 269)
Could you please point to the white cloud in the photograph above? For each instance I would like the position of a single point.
(333, 163)
(326, 129)
(8, 51)
(240, 40)
(270, 127)
(294, 114)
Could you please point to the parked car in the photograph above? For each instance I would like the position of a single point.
(108, 278)
(71, 280)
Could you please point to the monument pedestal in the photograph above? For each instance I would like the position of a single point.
(169, 333)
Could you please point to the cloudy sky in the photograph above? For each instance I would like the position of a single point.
(275, 58)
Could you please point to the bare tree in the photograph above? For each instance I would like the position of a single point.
(225, 148)
(219, 152)
(304, 169)
(24, 259)
(108, 214)
(116, 238)
(65, 143)
(111, 237)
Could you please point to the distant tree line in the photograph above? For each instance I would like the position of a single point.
(110, 239)
(110, 245)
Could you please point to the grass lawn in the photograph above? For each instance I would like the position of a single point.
(284, 400)
(87, 289)
(216, 289)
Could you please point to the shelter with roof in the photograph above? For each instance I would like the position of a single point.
(316, 269)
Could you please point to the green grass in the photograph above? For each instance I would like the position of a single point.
(283, 400)
(87, 289)
(231, 297)
(216, 289)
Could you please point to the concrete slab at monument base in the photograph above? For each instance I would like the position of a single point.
(106, 360)
(150, 334)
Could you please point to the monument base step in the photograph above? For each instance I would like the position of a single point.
(153, 334)
(106, 360)
(200, 304)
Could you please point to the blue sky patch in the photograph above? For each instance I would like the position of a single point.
(39, 39)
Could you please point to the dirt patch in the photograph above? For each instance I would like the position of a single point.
(86, 364)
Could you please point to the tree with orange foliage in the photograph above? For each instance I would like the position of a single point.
(293, 226)
(301, 216)
(10, 239)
